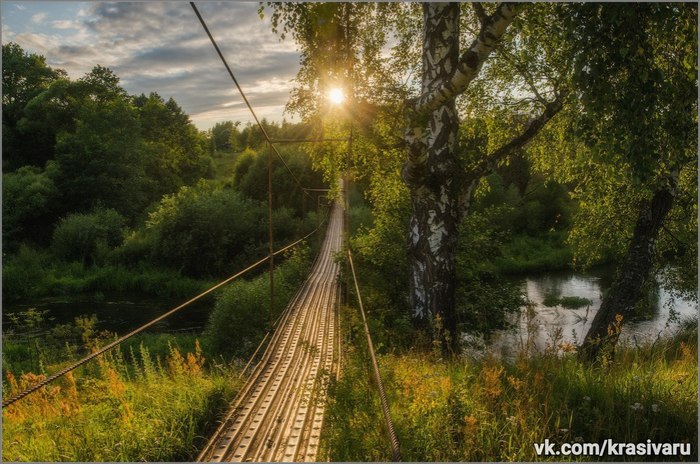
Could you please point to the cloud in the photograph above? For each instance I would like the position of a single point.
(161, 47)
(65, 24)
(38, 18)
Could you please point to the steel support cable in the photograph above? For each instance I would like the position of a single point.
(396, 452)
(245, 99)
(120, 340)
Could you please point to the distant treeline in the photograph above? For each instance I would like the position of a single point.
(95, 177)
(230, 136)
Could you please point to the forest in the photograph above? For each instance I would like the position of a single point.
(494, 155)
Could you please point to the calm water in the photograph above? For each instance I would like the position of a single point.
(126, 313)
(120, 315)
(544, 322)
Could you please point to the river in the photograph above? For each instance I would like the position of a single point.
(118, 313)
(541, 323)
(126, 312)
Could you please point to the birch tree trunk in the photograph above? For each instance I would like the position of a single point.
(431, 174)
(440, 188)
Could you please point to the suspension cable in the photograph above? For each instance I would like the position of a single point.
(245, 99)
(396, 452)
(120, 340)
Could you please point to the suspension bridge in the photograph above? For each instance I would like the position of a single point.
(278, 414)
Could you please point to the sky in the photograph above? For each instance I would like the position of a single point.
(161, 47)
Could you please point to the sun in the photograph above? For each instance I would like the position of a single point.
(336, 96)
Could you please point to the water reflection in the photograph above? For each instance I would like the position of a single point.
(542, 323)
(119, 315)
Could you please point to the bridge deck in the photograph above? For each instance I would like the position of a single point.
(278, 414)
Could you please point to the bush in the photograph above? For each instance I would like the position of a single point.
(87, 237)
(243, 307)
(206, 231)
(22, 272)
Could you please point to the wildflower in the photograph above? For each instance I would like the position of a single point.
(587, 398)
(636, 407)
(567, 347)
(655, 408)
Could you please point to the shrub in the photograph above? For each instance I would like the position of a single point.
(243, 307)
(206, 231)
(27, 197)
(22, 272)
(87, 237)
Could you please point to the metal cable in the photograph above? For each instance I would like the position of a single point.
(245, 99)
(113, 344)
(396, 452)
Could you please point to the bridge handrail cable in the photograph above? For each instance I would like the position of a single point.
(395, 450)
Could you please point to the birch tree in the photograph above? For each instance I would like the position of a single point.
(440, 185)
(438, 180)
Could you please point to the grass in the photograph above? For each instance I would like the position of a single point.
(129, 406)
(157, 398)
(491, 410)
(36, 274)
(525, 254)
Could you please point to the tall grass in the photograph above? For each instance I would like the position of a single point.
(491, 410)
(130, 406)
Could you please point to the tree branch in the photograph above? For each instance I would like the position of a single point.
(533, 128)
(527, 77)
(492, 29)
(480, 13)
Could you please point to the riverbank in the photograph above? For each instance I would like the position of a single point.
(33, 273)
(496, 410)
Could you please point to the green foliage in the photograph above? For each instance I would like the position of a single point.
(32, 273)
(207, 231)
(88, 237)
(22, 272)
(24, 75)
(524, 254)
(636, 71)
(483, 296)
(28, 197)
(243, 307)
(250, 178)
(31, 342)
(150, 408)
(99, 163)
(223, 133)
(174, 152)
